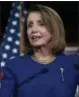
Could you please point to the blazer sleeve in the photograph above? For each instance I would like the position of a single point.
(8, 83)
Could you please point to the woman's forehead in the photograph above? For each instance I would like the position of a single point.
(34, 16)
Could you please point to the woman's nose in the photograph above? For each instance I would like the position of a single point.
(34, 28)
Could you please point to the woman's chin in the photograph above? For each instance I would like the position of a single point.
(37, 45)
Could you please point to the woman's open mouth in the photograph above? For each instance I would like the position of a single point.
(35, 38)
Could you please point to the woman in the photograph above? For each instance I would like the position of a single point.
(44, 71)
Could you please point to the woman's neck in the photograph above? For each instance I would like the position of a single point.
(43, 54)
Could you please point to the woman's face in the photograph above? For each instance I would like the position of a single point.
(37, 32)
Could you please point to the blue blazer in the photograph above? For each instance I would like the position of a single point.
(24, 77)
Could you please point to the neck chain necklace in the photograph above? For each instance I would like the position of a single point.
(45, 60)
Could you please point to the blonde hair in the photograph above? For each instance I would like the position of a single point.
(53, 22)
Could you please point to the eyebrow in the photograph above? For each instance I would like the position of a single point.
(32, 21)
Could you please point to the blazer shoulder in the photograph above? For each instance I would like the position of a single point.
(69, 59)
(73, 57)
(14, 62)
(14, 65)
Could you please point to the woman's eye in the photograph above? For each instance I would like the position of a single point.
(41, 24)
(29, 25)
